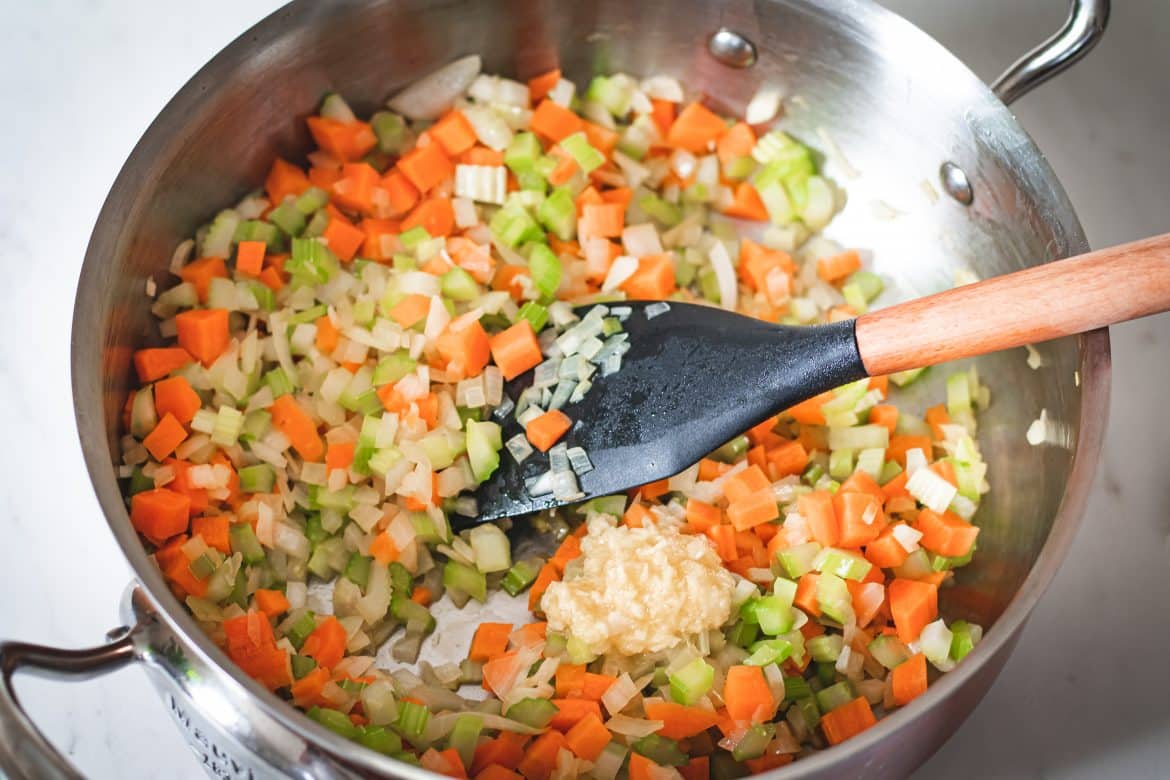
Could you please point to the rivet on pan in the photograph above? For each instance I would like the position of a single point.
(955, 183)
(731, 48)
(115, 634)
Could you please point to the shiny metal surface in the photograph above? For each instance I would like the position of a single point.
(1080, 33)
(895, 106)
(731, 48)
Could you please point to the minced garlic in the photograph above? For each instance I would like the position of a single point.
(639, 590)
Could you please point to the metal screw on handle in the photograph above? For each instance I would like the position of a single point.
(1080, 33)
(24, 750)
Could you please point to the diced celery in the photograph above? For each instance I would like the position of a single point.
(258, 230)
(809, 711)
(662, 211)
(493, 551)
(825, 648)
(604, 505)
(484, 441)
(217, 241)
(796, 688)
(381, 740)
(465, 736)
(903, 378)
(139, 482)
(732, 450)
(335, 721)
(522, 153)
(692, 682)
(754, 742)
(412, 720)
(859, 437)
(535, 313)
(798, 560)
(887, 650)
(391, 131)
(393, 367)
(229, 422)
(833, 598)
(769, 651)
(890, 469)
(522, 574)
(533, 712)
(579, 652)
(302, 665)
(357, 570)
(773, 615)
(466, 579)
(829, 699)
(414, 236)
(513, 226)
(311, 200)
(964, 637)
(243, 541)
(661, 750)
(545, 269)
(288, 218)
(709, 285)
(311, 262)
(869, 283)
(743, 633)
(958, 395)
(841, 463)
(458, 285)
(558, 213)
(844, 564)
(257, 479)
(855, 298)
(587, 158)
(299, 631)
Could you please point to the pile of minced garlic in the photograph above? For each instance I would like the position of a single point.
(639, 590)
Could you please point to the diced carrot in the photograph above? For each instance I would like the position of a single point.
(868, 598)
(346, 141)
(250, 642)
(759, 507)
(290, 419)
(444, 762)
(735, 143)
(199, 274)
(913, 604)
(662, 112)
(411, 310)
(787, 459)
(835, 268)
(653, 490)
(541, 757)
(168, 433)
(539, 86)
(436, 216)
(175, 396)
(506, 279)
(422, 595)
(271, 279)
(426, 167)
(605, 141)
(570, 680)
(354, 191)
(344, 238)
(454, 133)
(339, 455)
(566, 166)
(547, 429)
(747, 695)
(203, 333)
(588, 737)
(711, 469)
(695, 128)
(817, 510)
(548, 574)
(886, 551)
(723, 536)
(328, 335)
(622, 196)
(851, 509)
(571, 711)
(307, 691)
(679, 721)
(603, 220)
(896, 487)
(809, 412)
(497, 772)
(595, 685)
(847, 721)
(881, 384)
(909, 680)
(746, 204)
(156, 362)
(555, 122)
(159, 514)
(482, 155)
(745, 483)
(642, 768)
(489, 641)
(885, 415)
(636, 515)
(284, 179)
(756, 262)
(806, 594)
(899, 444)
(569, 550)
(701, 515)
(654, 279)
(271, 602)
(936, 417)
(250, 257)
(698, 768)
(506, 750)
(324, 178)
(401, 192)
(529, 634)
(465, 351)
(516, 349)
(326, 645)
(946, 470)
(946, 534)
(214, 530)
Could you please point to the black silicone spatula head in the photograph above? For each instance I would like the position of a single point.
(694, 377)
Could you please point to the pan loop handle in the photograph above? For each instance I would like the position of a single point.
(1081, 32)
(24, 750)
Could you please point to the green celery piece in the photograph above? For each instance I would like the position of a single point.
(311, 314)
(809, 711)
(661, 750)
(391, 131)
(522, 153)
(357, 570)
(604, 505)
(558, 213)
(846, 565)
(311, 200)
(532, 712)
(743, 633)
(832, 697)
(302, 665)
(299, 631)
(393, 367)
(335, 721)
(754, 742)
(732, 450)
(458, 285)
(467, 579)
(798, 560)
(139, 482)
(412, 720)
(869, 283)
(692, 682)
(769, 651)
(796, 688)
(662, 211)
(545, 269)
(288, 218)
(962, 639)
(522, 574)
(709, 285)
(773, 615)
(243, 541)
(484, 441)
(513, 226)
(311, 262)
(465, 736)
(258, 230)
(903, 378)
(317, 224)
(381, 740)
(257, 479)
(410, 239)
(825, 648)
(535, 313)
(587, 158)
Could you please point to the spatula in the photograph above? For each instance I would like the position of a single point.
(697, 376)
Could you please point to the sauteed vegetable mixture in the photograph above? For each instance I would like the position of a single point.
(331, 388)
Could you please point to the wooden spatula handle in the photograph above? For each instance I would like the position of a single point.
(1046, 302)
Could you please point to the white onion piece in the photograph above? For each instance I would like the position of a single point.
(434, 93)
(622, 269)
(725, 275)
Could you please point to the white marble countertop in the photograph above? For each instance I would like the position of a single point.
(1084, 695)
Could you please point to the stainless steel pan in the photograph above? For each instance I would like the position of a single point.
(945, 178)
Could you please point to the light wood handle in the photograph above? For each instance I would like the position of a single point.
(1037, 304)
